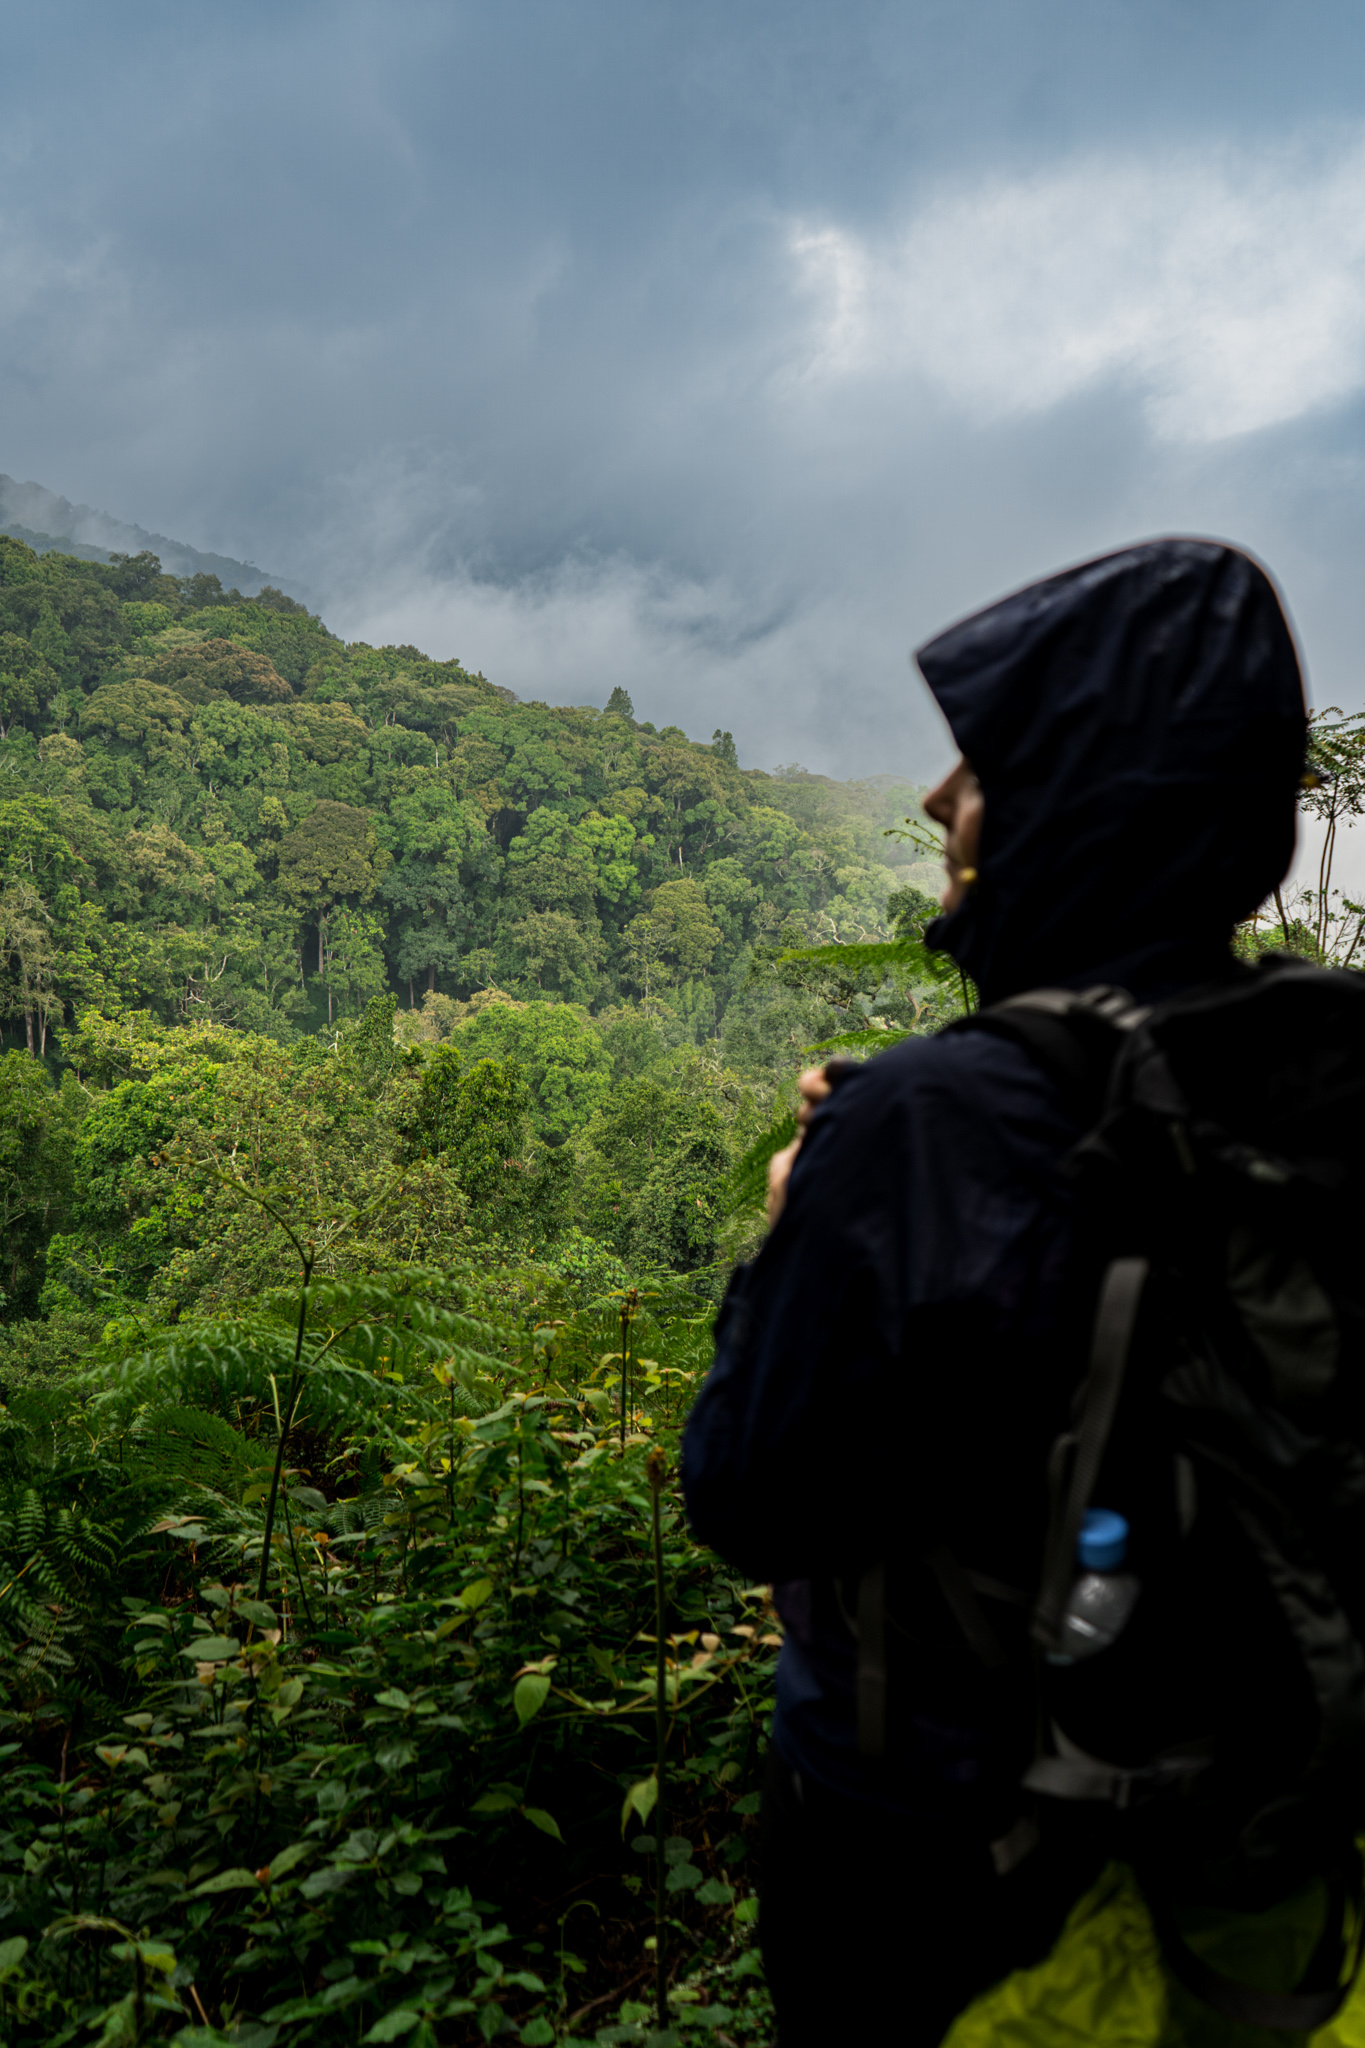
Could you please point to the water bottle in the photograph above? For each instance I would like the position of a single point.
(1103, 1597)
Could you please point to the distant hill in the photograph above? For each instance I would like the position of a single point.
(212, 808)
(47, 521)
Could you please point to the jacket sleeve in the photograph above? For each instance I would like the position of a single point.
(785, 1457)
(923, 1240)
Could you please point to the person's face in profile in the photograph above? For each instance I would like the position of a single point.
(957, 804)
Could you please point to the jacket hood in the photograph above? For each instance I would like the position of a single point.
(1137, 726)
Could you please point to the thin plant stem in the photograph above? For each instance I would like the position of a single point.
(625, 1313)
(298, 1568)
(655, 1466)
(521, 1493)
(450, 1475)
(286, 1420)
(1284, 917)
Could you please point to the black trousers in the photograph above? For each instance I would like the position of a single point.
(876, 1929)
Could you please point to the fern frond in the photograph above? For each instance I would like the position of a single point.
(746, 1186)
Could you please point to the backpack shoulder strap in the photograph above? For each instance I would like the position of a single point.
(1074, 1035)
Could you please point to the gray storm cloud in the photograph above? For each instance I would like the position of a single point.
(723, 356)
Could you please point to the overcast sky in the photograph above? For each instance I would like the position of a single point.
(722, 351)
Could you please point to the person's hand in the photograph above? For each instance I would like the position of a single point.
(814, 1085)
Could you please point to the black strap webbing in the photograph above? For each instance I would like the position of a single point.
(959, 1589)
(1074, 1035)
(1077, 1456)
(955, 1584)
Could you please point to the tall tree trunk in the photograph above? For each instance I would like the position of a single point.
(322, 925)
(28, 1023)
(409, 991)
(431, 978)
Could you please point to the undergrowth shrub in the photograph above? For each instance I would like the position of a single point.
(329, 1677)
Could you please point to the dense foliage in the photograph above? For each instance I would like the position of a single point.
(363, 1736)
(334, 1691)
(213, 808)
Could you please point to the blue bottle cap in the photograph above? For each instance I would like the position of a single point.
(1103, 1540)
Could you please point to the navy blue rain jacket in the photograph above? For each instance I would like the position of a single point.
(888, 1370)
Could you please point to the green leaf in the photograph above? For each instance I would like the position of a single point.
(682, 1877)
(714, 1893)
(640, 1799)
(116, 1753)
(750, 1803)
(257, 1611)
(537, 2033)
(227, 1881)
(393, 1698)
(395, 1756)
(287, 1859)
(13, 1951)
(747, 1910)
(212, 1649)
(394, 2025)
(546, 1822)
(476, 1593)
(530, 1694)
(494, 1802)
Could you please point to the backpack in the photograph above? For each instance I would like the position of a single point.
(1218, 1745)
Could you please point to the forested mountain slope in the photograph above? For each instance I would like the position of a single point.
(227, 837)
(220, 810)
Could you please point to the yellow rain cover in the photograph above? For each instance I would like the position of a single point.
(1104, 1985)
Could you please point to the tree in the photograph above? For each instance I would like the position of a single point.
(1334, 793)
(52, 642)
(644, 944)
(730, 897)
(550, 866)
(611, 843)
(27, 963)
(353, 962)
(212, 668)
(443, 854)
(676, 939)
(328, 859)
(18, 561)
(473, 1117)
(619, 704)
(559, 1052)
(135, 577)
(554, 953)
(38, 1123)
(648, 1167)
(27, 682)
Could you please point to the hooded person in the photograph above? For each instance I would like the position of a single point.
(887, 1368)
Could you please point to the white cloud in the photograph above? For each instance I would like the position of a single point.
(1229, 289)
(782, 682)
